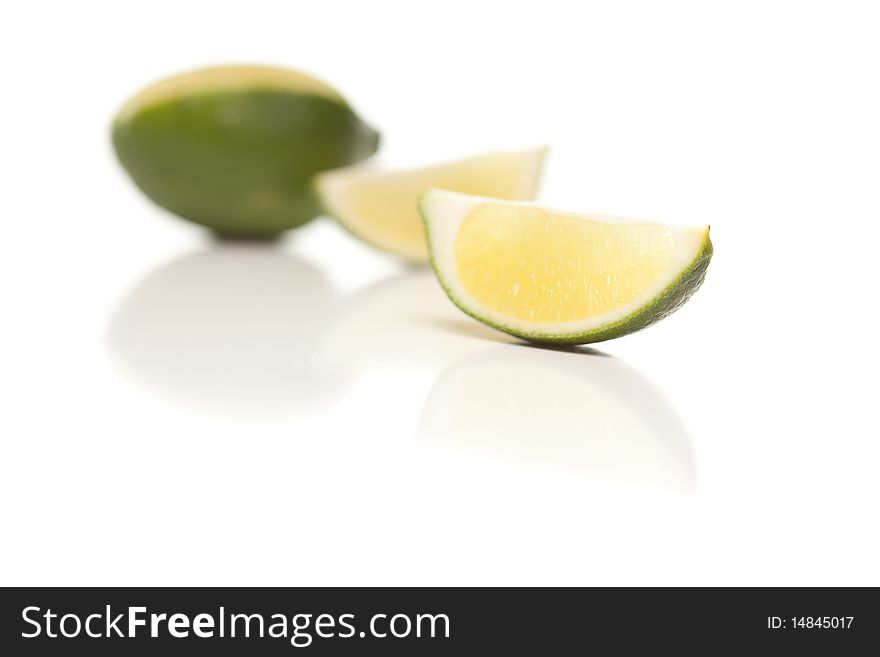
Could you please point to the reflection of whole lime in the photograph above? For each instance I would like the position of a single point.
(234, 329)
(235, 148)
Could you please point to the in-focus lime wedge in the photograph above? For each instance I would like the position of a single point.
(235, 148)
(382, 207)
(558, 277)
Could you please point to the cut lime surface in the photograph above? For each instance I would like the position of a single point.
(382, 207)
(235, 148)
(558, 277)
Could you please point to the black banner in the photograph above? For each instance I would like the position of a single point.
(393, 621)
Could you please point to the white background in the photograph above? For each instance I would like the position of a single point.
(180, 413)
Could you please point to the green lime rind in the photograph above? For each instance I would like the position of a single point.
(670, 299)
(240, 161)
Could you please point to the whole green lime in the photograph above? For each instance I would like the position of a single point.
(235, 148)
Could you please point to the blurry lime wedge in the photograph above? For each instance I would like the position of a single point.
(382, 207)
(551, 276)
(235, 148)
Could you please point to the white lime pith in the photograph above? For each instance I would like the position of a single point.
(381, 207)
(558, 277)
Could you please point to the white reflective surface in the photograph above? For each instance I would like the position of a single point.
(178, 411)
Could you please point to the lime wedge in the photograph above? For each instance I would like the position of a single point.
(382, 207)
(558, 277)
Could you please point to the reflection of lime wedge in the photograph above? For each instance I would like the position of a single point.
(585, 414)
(382, 207)
(403, 320)
(552, 276)
(235, 148)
